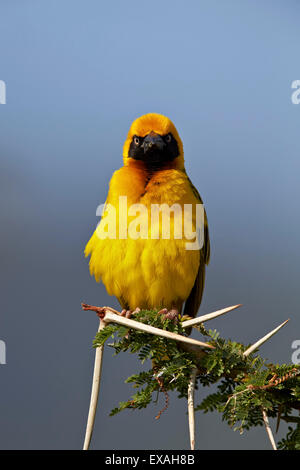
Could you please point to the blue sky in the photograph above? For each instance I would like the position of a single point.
(77, 73)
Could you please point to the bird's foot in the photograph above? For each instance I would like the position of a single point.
(172, 314)
(129, 313)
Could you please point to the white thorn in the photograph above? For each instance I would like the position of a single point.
(209, 316)
(268, 429)
(191, 408)
(95, 392)
(113, 318)
(264, 339)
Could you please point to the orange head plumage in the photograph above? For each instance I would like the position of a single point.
(153, 141)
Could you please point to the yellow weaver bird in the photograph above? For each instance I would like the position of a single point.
(151, 272)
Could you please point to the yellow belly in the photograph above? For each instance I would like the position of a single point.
(146, 273)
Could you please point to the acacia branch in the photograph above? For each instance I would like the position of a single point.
(112, 316)
(95, 392)
(191, 408)
(199, 350)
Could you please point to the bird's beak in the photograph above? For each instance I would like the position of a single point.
(153, 142)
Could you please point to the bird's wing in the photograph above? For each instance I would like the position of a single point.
(193, 301)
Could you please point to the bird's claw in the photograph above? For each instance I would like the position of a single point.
(172, 314)
(129, 313)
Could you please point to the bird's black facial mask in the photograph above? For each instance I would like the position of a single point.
(154, 149)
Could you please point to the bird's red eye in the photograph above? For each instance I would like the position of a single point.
(136, 140)
(168, 138)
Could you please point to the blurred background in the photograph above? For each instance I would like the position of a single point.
(77, 73)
